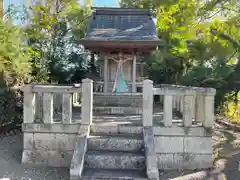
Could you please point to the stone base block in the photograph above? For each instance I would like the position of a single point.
(47, 158)
(184, 144)
(184, 161)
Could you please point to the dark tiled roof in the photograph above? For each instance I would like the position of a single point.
(115, 24)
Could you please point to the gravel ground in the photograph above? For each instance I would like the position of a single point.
(226, 145)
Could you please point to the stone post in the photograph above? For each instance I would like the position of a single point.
(209, 107)
(150, 154)
(29, 104)
(67, 108)
(167, 106)
(147, 103)
(48, 108)
(188, 110)
(87, 101)
(106, 74)
(199, 108)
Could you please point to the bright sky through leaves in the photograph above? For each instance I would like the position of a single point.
(101, 3)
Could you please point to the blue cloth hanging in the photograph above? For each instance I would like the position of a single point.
(121, 83)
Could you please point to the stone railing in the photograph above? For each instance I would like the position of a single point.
(51, 142)
(52, 96)
(193, 102)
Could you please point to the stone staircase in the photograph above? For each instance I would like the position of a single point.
(117, 104)
(115, 148)
(114, 151)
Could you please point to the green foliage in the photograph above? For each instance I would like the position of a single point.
(44, 49)
(201, 44)
(14, 55)
(52, 33)
(11, 106)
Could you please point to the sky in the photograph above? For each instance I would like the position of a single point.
(101, 3)
(108, 3)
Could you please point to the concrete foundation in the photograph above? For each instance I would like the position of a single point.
(49, 144)
(122, 137)
(183, 148)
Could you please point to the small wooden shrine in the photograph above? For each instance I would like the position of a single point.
(118, 36)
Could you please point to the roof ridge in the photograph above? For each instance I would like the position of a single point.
(93, 7)
(121, 11)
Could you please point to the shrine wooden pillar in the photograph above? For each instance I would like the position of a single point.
(134, 74)
(105, 74)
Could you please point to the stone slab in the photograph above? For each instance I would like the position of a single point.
(184, 161)
(117, 110)
(65, 141)
(28, 142)
(200, 145)
(115, 143)
(45, 141)
(116, 129)
(131, 101)
(168, 144)
(114, 160)
(181, 131)
(111, 174)
(51, 128)
(50, 158)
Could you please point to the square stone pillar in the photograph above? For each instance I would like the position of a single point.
(29, 104)
(134, 74)
(147, 103)
(48, 108)
(167, 109)
(67, 108)
(188, 110)
(87, 101)
(209, 107)
(199, 108)
(105, 73)
(209, 112)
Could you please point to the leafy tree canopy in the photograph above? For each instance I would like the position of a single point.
(14, 55)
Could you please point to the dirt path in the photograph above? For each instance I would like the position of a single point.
(226, 144)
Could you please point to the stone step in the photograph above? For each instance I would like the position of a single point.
(117, 110)
(114, 160)
(130, 100)
(117, 117)
(108, 128)
(112, 174)
(115, 143)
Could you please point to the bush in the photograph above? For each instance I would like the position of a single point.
(11, 109)
(232, 110)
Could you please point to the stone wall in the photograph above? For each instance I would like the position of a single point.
(49, 144)
(183, 148)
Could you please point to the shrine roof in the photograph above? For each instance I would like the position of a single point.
(121, 25)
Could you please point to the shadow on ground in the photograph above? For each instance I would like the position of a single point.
(226, 145)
